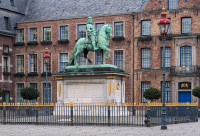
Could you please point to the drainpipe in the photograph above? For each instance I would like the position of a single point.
(133, 62)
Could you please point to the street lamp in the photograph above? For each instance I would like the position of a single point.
(46, 57)
(164, 24)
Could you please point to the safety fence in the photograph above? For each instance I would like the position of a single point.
(127, 114)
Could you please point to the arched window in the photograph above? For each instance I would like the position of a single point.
(186, 58)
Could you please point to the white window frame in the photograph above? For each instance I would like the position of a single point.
(60, 33)
(185, 27)
(145, 28)
(43, 33)
(22, 38)
(123, 57)
(115, 28)
(77, 30)
(30, 65)
(30, 34)
(42, 87)
(59, 68)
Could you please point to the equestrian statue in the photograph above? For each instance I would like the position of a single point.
(97, 40)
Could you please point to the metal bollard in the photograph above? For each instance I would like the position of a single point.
(36, 113)
(148, 115)
(188, 112)
(4, 113)
(197, 114)
(108, 113)
(71, 109)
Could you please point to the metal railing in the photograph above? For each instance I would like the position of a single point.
(129, 114)
(177, 70)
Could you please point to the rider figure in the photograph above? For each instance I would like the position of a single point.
(91, 32)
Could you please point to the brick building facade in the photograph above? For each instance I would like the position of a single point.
(182, 50)
(57, 49)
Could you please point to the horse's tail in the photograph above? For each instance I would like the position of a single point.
(71, 61)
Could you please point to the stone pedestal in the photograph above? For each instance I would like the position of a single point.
(91, 84)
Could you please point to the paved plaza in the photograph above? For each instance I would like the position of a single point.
(185, 129)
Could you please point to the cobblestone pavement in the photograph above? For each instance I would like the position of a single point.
(185, 129)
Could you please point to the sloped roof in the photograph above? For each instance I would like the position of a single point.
(60, 9)
(19, 5)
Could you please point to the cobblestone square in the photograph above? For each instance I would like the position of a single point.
(186, 129)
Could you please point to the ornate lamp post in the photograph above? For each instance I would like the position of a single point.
(164, 24)
(46, 57)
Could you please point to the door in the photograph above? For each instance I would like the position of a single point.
(6, 97)
(184, 97)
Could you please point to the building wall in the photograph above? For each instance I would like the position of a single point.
(154, 73)
(7, 80)
(7, 37)
(55, 48)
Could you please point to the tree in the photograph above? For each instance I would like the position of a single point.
(152, 94)
(196, 93)
(29, 93)
(1, 92)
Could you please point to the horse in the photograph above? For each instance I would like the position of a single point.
(85, 45)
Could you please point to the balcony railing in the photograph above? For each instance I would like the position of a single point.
(178, 70)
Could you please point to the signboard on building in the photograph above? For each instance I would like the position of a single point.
(184, 85)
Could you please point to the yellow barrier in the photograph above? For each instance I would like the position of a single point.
(97, 104)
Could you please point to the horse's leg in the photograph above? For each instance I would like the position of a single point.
(85, 56)
(75, 57)
(103, 57)
(104, 48)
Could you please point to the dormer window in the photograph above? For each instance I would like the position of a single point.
(5, 49)
(12, 3)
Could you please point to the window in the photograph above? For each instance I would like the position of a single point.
(167, 57)
(12, 3)
(145, 58)
(119, 59)
(80, 59)
(20, 35)
(81, 31)
(46, 33)
(47, 93)
(144, 86)
(5, 49)
(33, 34)
(167, 91)
(99, 26)
(33, 85)
(20, 86)
(48, 65)
(20, 63)
(98, 58)
(146, 27)
(7, 23)
(185, 25)
(5, 64)
(169, 30)
(173, 4)
(186, 58)
(63, 32)
(63, 61)
(119, 28)
(33, 63)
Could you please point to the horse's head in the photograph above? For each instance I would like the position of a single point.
(109, 30)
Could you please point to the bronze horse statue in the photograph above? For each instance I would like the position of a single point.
(85, 45)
